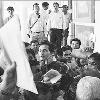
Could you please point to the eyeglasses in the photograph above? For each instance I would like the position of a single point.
(92, 63)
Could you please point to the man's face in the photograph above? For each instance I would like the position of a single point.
(75, 45)
(91, 62)
(36, 8)
(55, 6)
(34, 46)
(45, 8)
(10, 12)
(64, 9)
(67, 55)
(44, 52)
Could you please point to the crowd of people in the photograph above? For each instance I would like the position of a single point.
(48, 49)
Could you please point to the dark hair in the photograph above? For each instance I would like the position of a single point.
(59, 52)
(64, 48)
(10, 8)
(75, 39)
(55, 3)
(1, 71)
(46, 42)
(65, 6)
(26, 44)
(35, 4)
(29, 51)
(45, 4)
(96, 57)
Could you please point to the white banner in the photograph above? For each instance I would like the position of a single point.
(10, 35)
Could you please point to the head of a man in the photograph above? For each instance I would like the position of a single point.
(67, 50)
(36, 8)
(10, 10)
(56, 6)
(45, 50)
(45, 5)
(75, 43)
(65, 8)
(94, 61)
(34, 45)
(88, 88)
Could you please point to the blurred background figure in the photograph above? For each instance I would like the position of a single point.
(11, 14)
(45, 11)
(67, 17)
(55, 26)
(36, 24)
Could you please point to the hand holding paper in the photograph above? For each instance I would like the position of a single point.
(52, 76)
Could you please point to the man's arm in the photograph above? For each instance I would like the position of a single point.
(8, 84)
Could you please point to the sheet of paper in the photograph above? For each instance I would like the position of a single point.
(52, 75)
(10, 35)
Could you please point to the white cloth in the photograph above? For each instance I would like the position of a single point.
(38, 26)
(10, 35)
(66, 21)
(55, 20)
(45, 16)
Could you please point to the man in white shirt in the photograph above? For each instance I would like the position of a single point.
(36, 24)
(55, 26)
(66, 23)
(11, 14)
(45, 15)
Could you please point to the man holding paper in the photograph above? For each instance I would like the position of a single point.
(51, 71)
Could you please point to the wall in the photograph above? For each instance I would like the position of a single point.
(83, 16)
(97, 26)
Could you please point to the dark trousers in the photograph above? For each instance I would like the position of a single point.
(65, 37)
(56, 37)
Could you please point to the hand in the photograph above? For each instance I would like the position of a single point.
(63, 33)
(9, 78)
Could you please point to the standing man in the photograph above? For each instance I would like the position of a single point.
(11, 14)
(36, 24)
(45, 15)
(66, 23)
(55, 26)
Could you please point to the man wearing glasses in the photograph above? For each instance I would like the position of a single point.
(93, 67)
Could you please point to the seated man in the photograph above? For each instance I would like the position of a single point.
(45, 53)
(76, 50)
(93, 67)
(67, 50)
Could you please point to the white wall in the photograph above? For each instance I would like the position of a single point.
(97, 26)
